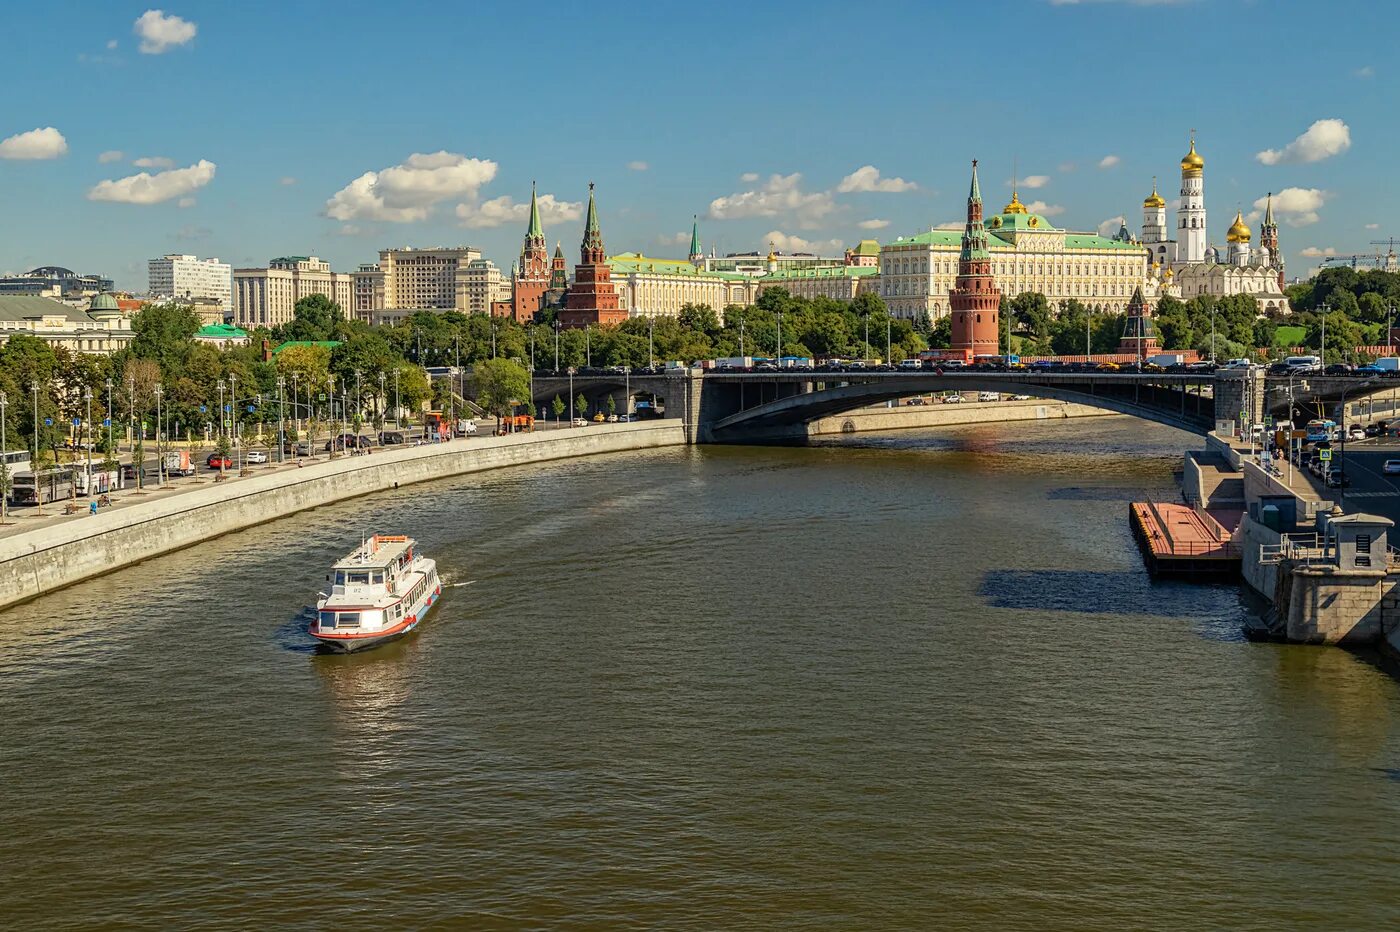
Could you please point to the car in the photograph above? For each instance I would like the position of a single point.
(624, 418)
(466, 427)
(1391, 467)
(1356, 432)
(598, 418)
(216, 462)
(914, 401)
(347, 441)
(612, 418)
(1370, 370)
(578, 422)
(130, 471)
(989, 396)
(389, 438)
(1020, 397)
(1336, 479)
(1338, 369)
(952, 399)
(256, 456)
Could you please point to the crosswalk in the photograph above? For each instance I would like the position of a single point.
(1373, 495)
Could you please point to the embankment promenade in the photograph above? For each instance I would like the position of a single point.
(66, 550)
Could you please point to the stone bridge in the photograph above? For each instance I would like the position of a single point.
(737, 407)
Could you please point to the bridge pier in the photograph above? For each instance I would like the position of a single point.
(1240, 393)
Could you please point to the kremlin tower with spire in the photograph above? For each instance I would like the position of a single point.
(530, 278)
(592, 298)
(975, 299)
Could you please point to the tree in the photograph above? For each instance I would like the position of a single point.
(700, 318)
(500, 383)
(612, 404)
(580, 406)
(558, 407)
(941, 336)
(315, 318)
(164, 334)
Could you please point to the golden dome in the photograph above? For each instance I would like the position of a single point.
(1167, 273)
(1192, 162)
(1015, 207)
(1154, 199)
(1238, 232)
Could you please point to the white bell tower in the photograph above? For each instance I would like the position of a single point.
(1191, 217)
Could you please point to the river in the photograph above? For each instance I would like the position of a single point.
(910, 680)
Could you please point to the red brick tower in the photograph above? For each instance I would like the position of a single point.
(531, 279)
(1139, 337)
(592, 297)
(975, 298)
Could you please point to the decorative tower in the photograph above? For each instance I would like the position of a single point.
(593, 298)
(530, 277)
(975, 298)
(772, 258)
(1268, 239)
(1238, 237)
(697, 255)
(1154, 218)
(558, 270)
(1139, 336)
(1191, 218)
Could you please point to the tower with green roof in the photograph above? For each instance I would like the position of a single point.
(697, 255)
(975, 299)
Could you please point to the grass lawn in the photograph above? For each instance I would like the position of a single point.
(1289, 336)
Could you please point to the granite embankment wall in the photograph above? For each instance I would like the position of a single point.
(945, 415)
(35, 562)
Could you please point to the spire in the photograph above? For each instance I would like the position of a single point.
(975, 194)
(1269, 211)
(592, 225)
(536, 231)
(695, 237)
(558, 250)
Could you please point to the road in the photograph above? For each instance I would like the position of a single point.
(1371, 490)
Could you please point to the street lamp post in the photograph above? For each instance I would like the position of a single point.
(571, 396)
(779, 359)
(330, 411)
(131, 417)
(1325, 310)
(110, 451)
(87, 446)
(281, 420)
(38, 492)
(741, 336)
(627, 391)
(383, 398)
(4, 466)
(889, 342)
(1389, 322)
(1212, 334)
(160, 454)
(233, 409)
(651, 342)
(222, 425)
(398, 408)
(296, 405)
(556, 345)
(587, 345)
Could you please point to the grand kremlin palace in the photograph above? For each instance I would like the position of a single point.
(1028, 254)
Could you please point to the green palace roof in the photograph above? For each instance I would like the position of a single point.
(1001, 224)
(220, 332)
(629, 262)
(824, 271)
(328, 344)
(867, 247)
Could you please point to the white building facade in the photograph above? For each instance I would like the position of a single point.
(266, 297)
(181, 276)
(649, 287)
(484, 284)
(432, 278)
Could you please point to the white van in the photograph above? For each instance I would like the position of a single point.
(1301, 365)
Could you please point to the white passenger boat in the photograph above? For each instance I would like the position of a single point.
(380, 592)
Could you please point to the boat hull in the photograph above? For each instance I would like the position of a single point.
(354, 644)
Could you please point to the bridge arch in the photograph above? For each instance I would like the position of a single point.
(1169, 404)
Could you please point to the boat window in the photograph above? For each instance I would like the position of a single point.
(348, 620)
(340, 578)
(358, 579)
(328, 619)
(379, 579)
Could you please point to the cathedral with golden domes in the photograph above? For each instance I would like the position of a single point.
(1190, 265)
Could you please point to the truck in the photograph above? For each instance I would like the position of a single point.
(1165, 359)
(734, 362)
(1388, 363)
(177, 463)
(935, 356)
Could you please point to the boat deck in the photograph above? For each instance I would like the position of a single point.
(1178, 539)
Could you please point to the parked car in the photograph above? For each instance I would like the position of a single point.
(130, 471)
(217, 462)
(347, 441)
(1356, 432)
(612, 418)
(598, 418)
(579, 422)
(914, 401)
(1337, 479)
(1391, 467)
(989, 396)
(1020, 397)
(466, 428)
(392, 438)
(255, 457)
(952, 399)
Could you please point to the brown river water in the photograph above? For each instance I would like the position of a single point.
(917, 680)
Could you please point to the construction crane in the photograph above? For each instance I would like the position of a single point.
(1391, 263)
(1353, 259)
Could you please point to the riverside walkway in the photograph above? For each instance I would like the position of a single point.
(59, 550)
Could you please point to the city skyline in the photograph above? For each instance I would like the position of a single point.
(249, 166)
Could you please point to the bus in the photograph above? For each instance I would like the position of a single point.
(1301, 365)
(1320, 429)
(42, 486)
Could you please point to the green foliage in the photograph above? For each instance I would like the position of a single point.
(558, 406)
(163, 334)
(315, 317)
(580, 405)
(500, 383)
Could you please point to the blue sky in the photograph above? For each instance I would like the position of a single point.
(271, 116)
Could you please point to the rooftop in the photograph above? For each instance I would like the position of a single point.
(328, 344)
(220, 332)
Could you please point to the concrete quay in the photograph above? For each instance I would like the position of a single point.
(905, 417)
(64, 551)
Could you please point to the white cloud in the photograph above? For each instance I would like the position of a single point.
(779, 195)
(502, 210)
(749, 177)
(111, 44)
(145, 188)
(1254, 216)
(867, 178)
(350, 229)
(679, 238)
(873, 224)
(790, 244)
(637, 166)
(1109, 161)
(186, 202)
(1044, 209)
(1312, 252)
(1127, 2)
(1322, 140)
(1365, 71)
(1034, 181)
(1111, 226)
(286, 180)
(111, 155)
(46, 143)
(951, 225)
(406, 192)
(160, 33)
(1066, 167)
(1373, 226)
(154, 161)
(1297, 206)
